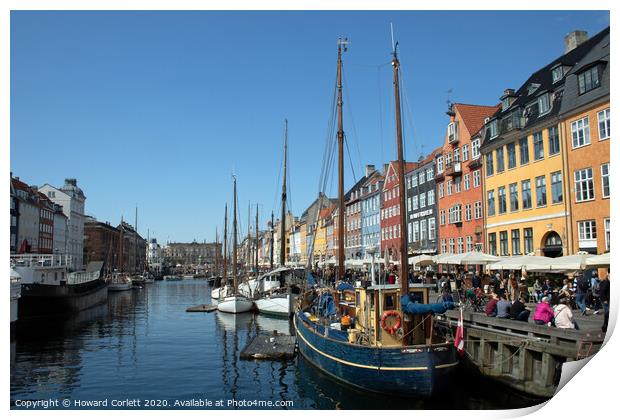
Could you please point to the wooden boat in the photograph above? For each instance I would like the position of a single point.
(119, 282)
(391, 346)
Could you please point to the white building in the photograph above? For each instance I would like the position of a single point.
(60, 232)
(72, 200)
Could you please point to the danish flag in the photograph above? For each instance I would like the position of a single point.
(459, 343)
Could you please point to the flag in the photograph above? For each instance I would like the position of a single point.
(459, 343)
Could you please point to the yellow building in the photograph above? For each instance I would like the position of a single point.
(525, 183)
(320, 241)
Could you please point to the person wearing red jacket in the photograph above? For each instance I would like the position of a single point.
(544, 312)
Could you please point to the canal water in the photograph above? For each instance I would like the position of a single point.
(143, 345)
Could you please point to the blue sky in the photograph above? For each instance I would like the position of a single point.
(159, 108)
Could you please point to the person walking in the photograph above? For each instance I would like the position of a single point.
(582, 288)
(604, 295)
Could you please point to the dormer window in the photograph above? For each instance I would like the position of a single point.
(544, 104)
(533, 87)
(557, 73)
(505, 104)
(493, 129)
(589, 80)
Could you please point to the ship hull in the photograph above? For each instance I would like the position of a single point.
(42, 299)
(281, 305)
(235, 305)
(414, 371)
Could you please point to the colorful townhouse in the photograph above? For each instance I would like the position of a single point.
(458, 176)
(390, 210)
(371, 209)
(585, 127)
(422, 207)
(526, 208)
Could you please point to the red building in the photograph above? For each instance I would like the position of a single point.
(390, 210)
(459, 179)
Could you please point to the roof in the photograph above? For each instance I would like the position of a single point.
(326, 212)
(474, 116)
(409, 166)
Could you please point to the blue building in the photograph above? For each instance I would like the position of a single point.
(370, 200)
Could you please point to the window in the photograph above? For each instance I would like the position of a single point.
(443, 246)
(467, 212)
(584, 185)
(466, 182)
(501, 198)
(423, 231)
(448, 160)
(526, 194)
(475, 148)
(587, 230)
(588, 80)
(414, 202)
(603, 124)
(408, 203)
(489, 160)
(442, 217)
(460, 246)
(451, 132)
(493, 129)
(528, 240)
(440, 190)
(512, 155)
(554, 140)
(580, 131)
(408, 182)
(605, 179)
(422, 200)
(449, 188)
(478, 210)
(416, 231)
(515, 236)
(451, 245)
(505, 103)
(556, 187)
(524, 151)
(541, 191)
(466, 153)
(454, 215)
(492, 244)
(440, 164)
(514, 197)
(457, 185)
(414, 181)
(422, 177)
(430, 197)
(470, 245)
(539, 151)
(557, 73)
(457, 155)
(491, 203)
(431, 228)
(543, 104)
(503, 242)
(607, 234)
(499, 156)
(477, 178)
(429, 173)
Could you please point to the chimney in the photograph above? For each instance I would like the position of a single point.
(71, 181)
(369, 169)
(574, 39)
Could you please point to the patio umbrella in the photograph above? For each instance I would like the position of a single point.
(473, 257)
(603, 260)
(421, 260)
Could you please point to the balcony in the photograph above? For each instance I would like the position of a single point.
(439, 176)
(454, 170)
(453, 139)
(475, 163)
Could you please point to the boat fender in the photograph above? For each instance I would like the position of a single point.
(387, 314)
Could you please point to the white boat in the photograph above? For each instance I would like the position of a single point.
(16, 289)
(235, 304)
(217, 292)
(277, 304)
(172, 278)
(265, 283)
(119, 283)
(188, 276)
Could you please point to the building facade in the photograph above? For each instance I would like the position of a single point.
(422, 207)
(190, 253)
(459, 180)
(72, 200)
(585, 126)
(372, 195)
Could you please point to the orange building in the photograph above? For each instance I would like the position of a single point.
(585, 124)
(459, 180)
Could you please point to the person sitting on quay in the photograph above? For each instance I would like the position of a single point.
(503, 307)
(563, 316)
(518, 311)
(491, 309)
(538, 291)
(543, 314)
(476, 281)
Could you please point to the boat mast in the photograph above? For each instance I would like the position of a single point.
(135, 243)
(225, 243)
(404, 282)
(283, 221)
(234, 257)
(256, 251)
(120, 244)
(340, 274)
(271, 245)
(216, 252)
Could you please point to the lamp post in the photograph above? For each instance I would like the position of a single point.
(372, 251)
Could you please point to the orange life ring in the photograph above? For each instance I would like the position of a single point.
(390, 330)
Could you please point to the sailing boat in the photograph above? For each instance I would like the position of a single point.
(221, 287)
(232, 301)
(213, 280)
(391, 346)
(275, 298)
(119, 281)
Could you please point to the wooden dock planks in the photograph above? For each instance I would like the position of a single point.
(270, 347)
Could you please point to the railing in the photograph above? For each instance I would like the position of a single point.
(40, 260)
(79, 277)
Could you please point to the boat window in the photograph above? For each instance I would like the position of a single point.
(390, 302)
(417, 297)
